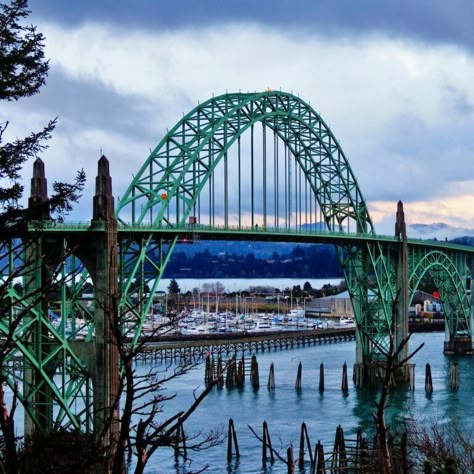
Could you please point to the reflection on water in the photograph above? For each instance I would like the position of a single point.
(285, 408)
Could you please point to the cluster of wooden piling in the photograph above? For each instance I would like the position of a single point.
(230, 373)
(357, 455)
(235, 373)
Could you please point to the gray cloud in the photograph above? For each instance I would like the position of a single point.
(402, 110)
(430, 21)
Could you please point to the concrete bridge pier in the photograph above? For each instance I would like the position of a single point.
(102, 264)
(400, 313)
(38, 413)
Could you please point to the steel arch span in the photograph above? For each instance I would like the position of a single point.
(449, 273)
(235, 162)
(299, 175)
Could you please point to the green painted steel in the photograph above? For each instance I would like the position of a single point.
(174, 174)
(42, 362)
(449, 273)
(166, 191)
(207, 179)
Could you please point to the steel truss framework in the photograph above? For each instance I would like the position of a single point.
(204, 178)
(167, 192)
(449, 271)
(55, 386)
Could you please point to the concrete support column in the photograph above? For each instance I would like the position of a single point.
(36, 393)
(401, 322)
(105, 375)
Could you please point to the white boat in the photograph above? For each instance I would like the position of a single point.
(345, 323)
(199, 329)
(297, 312)
(262, 324)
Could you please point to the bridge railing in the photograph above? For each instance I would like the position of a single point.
(256, 230)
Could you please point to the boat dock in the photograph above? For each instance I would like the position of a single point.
(196, 346)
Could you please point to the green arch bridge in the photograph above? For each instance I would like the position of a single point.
(243, 166)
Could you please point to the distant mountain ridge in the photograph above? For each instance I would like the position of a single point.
(439, 231)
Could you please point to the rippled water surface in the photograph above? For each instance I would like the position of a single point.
(285, 409)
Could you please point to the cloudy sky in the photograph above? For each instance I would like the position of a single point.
(394, 80)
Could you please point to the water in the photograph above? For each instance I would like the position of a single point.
(285, 409)
(241, 284)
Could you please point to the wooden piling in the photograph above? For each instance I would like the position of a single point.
(319, 465)
(232, 441)
(180, 439)
(321, 378)
(208, 373)
(271, 378)
(266, 445)
(339, 458)
(428, 379)
(220, 375)
(230, 380)
(298, 377)
(240, 379)
(290, 460)
(304, 439)
(344, 384)
(454, 376)
(254, 376)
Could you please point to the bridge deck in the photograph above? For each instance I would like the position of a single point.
(193, 232)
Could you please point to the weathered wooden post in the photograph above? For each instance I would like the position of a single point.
(344, 384)
(254, 376)
(180, 438)
(428, 379)
(232, 440)
(241, 374)
(220, 375)
(271, 378)
(321, 378)
(208, 375)
(304, 437)
(298, 377)
(319, 465)
(290, 460)
(266, 445)
(339, 452)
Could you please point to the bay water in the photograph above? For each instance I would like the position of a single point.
(285, 408)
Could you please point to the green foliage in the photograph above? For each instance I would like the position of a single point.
(23, 70)
(173, 287)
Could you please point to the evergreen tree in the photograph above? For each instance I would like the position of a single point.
(173, 287)
(23, 71)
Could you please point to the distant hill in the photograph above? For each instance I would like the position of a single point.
(465, 240)
(437, 230)
(208, 259)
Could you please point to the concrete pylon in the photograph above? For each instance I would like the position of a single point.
(37, 402)
(38, 201)
(401, 322)
(105, 373)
